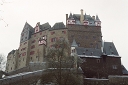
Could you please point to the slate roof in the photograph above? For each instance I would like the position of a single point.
(28, 27)
(124, 70)
(45, 26)
(12, 52)
(70, 16)
(88, 51)
(76, 16)
(58, 25)
(86, 17)
(97, 18)
(110, 49)
(74, 44)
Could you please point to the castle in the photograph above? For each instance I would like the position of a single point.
(82, 31)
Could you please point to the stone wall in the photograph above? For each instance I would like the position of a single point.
(85, 36)
(118, 80)
(32, 67)
(112, 80)
(94, 81)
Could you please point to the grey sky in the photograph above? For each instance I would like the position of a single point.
(112, 13)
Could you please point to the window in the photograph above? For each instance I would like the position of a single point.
(32, 52)
(114, 66)
(52, 33)
(78, 44)
(31, 58)
(24, 48)
(64, 32)
(36, 56)
(53, 39)
(23, 54)
(32, 46)
(40, 33)
(25, 43)
(98, 60)
(22, 34)
(34, 35)
(91, 53)
(91, 45)
(73, 50)
(25, 37)
(83, 60)
(19, 55)
(33, 41)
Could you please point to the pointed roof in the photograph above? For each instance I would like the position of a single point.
(45, 26)
(74, 44)
(110, 49)
(124, 70)
(89, 51)
(85, 16)
(70, 16)
(97, 18)
(58, 25)
(27, 27)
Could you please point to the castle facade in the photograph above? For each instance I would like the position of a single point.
(82, 31)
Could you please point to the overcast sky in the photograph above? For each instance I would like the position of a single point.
(112, 13)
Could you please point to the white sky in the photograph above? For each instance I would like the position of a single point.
(112, 13)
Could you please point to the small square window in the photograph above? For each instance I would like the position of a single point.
(114, 66)
(98, 60)
(83, 60)
(40, 33)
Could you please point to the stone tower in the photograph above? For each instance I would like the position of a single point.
(86, 30)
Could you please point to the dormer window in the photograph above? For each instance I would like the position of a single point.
(91, 53)
(83, 53)
(37, 29)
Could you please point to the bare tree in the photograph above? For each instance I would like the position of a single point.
(2, 2)
(62, 67)
(2, 62)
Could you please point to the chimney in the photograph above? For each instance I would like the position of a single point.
(81, 16)
(93, 17)
(66, 19)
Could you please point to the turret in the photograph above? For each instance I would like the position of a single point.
(37, 28)
(97, 21)
(73, 47)
(70, 20)
(26, 33)
(85, 21)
